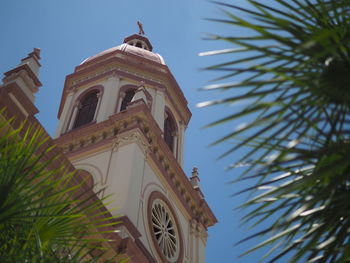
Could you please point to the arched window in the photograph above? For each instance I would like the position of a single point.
(129, 94)
(169, 132)
(87, 108)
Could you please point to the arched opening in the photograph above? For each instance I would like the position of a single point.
(87, 108)
(169, 132)
(139, 44)
(129, 94)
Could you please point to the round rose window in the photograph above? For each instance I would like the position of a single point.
(164, 230)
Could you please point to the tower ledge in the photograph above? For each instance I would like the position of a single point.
(82, 141)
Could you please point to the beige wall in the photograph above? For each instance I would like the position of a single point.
(131, 177)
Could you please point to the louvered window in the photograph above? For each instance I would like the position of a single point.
(86, 110)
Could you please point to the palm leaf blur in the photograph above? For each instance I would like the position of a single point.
(42, 219)
(294, 67)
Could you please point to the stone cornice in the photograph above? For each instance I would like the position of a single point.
(138, 118)
(28, 70)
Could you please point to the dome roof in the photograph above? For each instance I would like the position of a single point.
(129, 49)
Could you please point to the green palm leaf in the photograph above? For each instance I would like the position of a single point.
(293, 64)
(42, 216)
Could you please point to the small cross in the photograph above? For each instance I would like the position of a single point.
(141, 32)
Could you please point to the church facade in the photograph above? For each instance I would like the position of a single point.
(122, 120)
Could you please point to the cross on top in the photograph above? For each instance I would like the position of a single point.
(141, 32)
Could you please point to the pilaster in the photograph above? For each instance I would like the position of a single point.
(64, 123)
(159, 108)
(109, 99)
(181, 144)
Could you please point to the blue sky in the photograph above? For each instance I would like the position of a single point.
(68, 31)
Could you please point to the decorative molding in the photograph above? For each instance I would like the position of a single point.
(198, 231)
(133, 136)
(98, 88)
(140, 127)
(25, 68)
(113, 70)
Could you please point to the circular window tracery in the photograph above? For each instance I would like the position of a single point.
(164, 229)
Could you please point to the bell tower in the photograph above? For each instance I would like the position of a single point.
(122, 120)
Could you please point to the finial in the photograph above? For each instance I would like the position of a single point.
(195, 178)
(141, 32)
(194, 171)
(36, 51)
(35, 54)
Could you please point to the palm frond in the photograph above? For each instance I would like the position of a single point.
(293, 64)
(43, 218)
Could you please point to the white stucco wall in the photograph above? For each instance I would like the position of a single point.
(131, 177)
